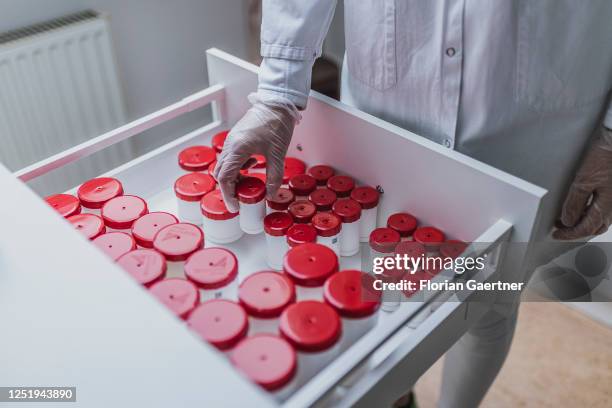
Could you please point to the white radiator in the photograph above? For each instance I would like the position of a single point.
(59, 87)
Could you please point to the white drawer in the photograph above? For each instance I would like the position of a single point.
(73, 318)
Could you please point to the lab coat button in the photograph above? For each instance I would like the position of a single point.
(447, 143)
(450, 52)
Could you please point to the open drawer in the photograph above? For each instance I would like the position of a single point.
(73, 318)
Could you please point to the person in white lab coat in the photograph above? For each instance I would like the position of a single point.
(522, 85)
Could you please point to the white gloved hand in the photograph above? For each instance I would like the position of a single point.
(265, 129)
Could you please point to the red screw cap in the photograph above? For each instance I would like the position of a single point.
(347, 209)
(89, 225)
(323, 198)
(384, 240)
(213, 207)
(281, 199)
(352, 294)
(193, 186)
(299, 234)
(293, 167)
(250, 190)
(302, 184)
(321, 173)
(310, 264)
(277, 224)
(65, 204)
(403, 223)
(266, 294)
(310, 326)
(453, 248)
(146, 227)
(145, 265)
(327, 224)
(366, 196)
(218, 140)
(121, 212)
(115, 244)
(220, 322)
(269, 361)
(341, 185)
(95, 192)
(431, 237)
(211, 268)
(196, 158)
(177, 241)
(179, 295)
(302, 211)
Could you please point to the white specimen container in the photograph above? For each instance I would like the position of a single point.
(349, 212)
(368, 198)
(251, 192)
(176, 242)
(276, 225)
(308, 266)
(328, 226)
(94, 193)
(383, 242)
(215, 272)
(220, 322)
(189, 190)
(299, 234)
(280, 201)
(221, 226)
(120, 213)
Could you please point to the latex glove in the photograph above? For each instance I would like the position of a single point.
(588, 207)
(265, 129)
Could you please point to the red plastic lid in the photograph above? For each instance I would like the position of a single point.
(115, 244)
(177, 241)
(347, 209)
(321, 173)
(260, 161)
(302, 211)
(366, 196)
(65, 204)
(145, 228)
(213, 207)
(293, 166)
(351, 293)
(341, 185)
(310, 264)
(453, 248)
(384, 240)
(193, 186)
(323, 198)
(220, 322)
(211, 268)
(429, 236)
(277, 223)
(121, 212)
(281, 199)
(89, 225)
(403, 223)
(266, 294)
(218, 140)
(261, 176)
(196, 158)
(327, 224)
(250, 190)
(145, 265)
(411, 249)
(302, 184)
(179, 295)
(95, 192)
(300, 234)
(267, 360)
(310, 325)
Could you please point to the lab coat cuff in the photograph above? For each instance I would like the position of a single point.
(287, 78)
(272, 93)
(288, 52)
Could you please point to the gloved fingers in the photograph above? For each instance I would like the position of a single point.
(591, 224)
(574, 206)
(228, 174)
(275, 170)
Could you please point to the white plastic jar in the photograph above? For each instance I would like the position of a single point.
(179, 295)
(404, 224)
(302, 185)
(264, 295)
(90, 225)
(94, 193)
(313, 328)
(115, 244)
(269, 361)
(276, 225)
(351, 293)
(328, 226)
(251, 192)
(189, 190)
(349, 212)
(341, 185)
(221, 226)
(65, 204)
(215, 272)
(383, 242)
(299, 234)
(147, 266)
(280, 201)
(323, 198)
(120, 213)
(431, 237)
(308, 266)
(321, 173)
(196, 158)
(146, 227)
(368, 198)
(176, 242)
(222, 323)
